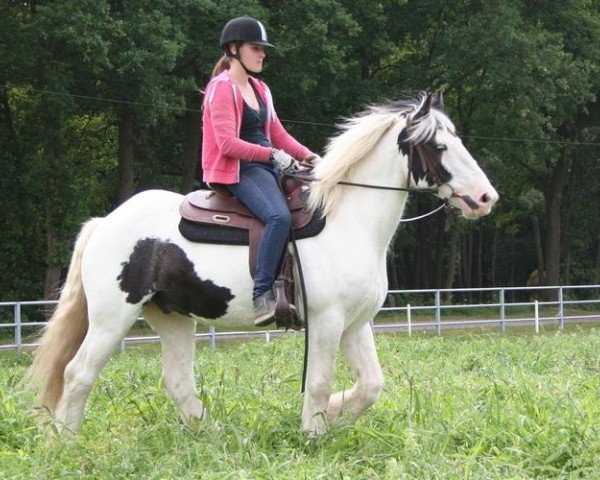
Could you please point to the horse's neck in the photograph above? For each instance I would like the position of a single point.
(376, 212)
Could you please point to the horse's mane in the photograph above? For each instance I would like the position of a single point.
(357, 136)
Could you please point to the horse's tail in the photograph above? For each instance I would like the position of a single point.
(65, 331)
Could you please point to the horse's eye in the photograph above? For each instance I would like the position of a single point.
(440, 147)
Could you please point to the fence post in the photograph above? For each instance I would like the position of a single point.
(502, 311)
(561, 311)
(438, 312)
(213, 338)
(409, 319)
(17, 322)
(537, 316)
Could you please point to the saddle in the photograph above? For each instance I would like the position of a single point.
(216, 216)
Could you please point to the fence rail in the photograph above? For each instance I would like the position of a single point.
(404, 311)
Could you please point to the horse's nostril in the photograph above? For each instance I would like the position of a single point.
(485, 198)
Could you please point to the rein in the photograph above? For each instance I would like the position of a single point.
(400, 189)
(431, 191)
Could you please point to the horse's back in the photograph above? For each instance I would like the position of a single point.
(137, 252)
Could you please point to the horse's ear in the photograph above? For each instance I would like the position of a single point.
(438, 101)
(424, 109)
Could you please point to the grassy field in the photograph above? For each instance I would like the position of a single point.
(467, 406)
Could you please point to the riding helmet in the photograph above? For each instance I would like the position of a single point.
(244, 30)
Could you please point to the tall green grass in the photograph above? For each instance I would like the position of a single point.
(459, 407)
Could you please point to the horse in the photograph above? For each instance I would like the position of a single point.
(134, 262)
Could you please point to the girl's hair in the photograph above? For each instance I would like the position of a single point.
(222, 64)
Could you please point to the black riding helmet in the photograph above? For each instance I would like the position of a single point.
(243, 30)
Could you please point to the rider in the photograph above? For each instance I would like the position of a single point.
(245, 148)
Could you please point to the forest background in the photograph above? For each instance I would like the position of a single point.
(100, 99)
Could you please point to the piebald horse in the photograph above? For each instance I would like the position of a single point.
(134, 262)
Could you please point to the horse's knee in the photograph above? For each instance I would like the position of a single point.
(371, 390)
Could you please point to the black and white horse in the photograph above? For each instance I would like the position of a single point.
(134, 262)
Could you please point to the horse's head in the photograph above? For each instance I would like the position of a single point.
(437, 156)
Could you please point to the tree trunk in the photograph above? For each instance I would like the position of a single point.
(469, 247)
(539, 252)
(567, 258)
(597, 262)
(513, 261)
(7, 113)
(554, 195)
(493, 270)
(52, 281)
(191, 150)
(125, 186)
(453, 258)
(53, 150)
(479, 262)
(418, 265)
(440, 244)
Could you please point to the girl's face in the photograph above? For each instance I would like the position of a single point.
(252, 56)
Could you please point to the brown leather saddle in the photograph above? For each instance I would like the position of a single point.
(215, 216)
(208, 209)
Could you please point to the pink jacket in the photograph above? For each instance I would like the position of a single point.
(222, 149)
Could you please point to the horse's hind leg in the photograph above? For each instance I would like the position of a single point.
(178, 345)
(106, 330)
(358, 346)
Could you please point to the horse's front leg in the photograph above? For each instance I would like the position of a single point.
(358, 346)
(323, 342)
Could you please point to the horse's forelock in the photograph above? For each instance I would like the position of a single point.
(424, 128)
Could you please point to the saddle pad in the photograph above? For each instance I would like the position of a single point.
(208, 233)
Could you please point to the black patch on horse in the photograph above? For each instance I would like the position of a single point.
(163, 269)
(419, 168)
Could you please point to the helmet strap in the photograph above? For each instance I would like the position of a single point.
(238, 57)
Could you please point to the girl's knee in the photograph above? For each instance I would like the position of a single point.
(281, 218)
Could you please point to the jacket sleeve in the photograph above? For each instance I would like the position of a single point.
(280, 138)
(222, 111)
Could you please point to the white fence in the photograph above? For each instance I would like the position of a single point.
(405, 311)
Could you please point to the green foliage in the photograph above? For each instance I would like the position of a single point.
(83, 81)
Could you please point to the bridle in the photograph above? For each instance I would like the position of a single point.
(429, 169)
(416, 151)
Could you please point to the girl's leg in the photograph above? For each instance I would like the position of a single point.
(259, 191)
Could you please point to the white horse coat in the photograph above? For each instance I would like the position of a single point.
(135, 262)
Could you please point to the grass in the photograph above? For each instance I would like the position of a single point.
(468, 406)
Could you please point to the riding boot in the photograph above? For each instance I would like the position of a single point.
(264, 309)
